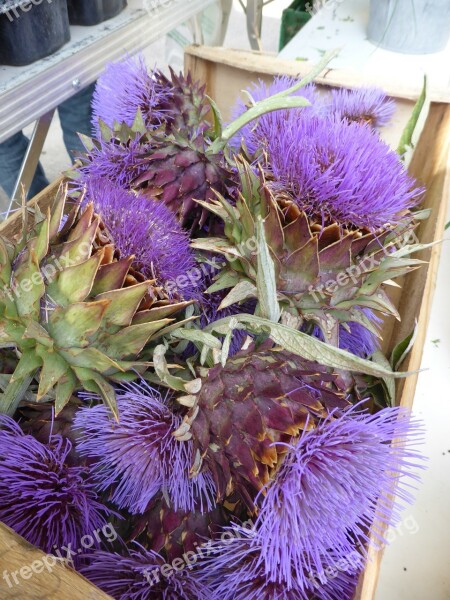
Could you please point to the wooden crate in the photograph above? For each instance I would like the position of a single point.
(226, 73)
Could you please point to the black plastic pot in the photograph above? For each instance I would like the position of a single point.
(93, 12)
(31, 30)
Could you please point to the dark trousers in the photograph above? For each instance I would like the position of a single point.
(75, 116)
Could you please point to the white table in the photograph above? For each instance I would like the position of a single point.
(342, 24)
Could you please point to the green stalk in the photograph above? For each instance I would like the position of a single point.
(282, 100)
(309, 78)
(408, 132)
(257, 110)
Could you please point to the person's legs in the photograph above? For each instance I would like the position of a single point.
(75, 115)
(12, 153)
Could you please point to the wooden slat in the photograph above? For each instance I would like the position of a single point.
(13, 226)
(431, 166)
(38, 577)
(203, 59)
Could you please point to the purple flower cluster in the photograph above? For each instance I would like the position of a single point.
(340, 171)
(43, 499)
(149, 231)
(139, 456)
(124, 88)
(234, 570)
(330, 487)
(329, 157)
(364, 105)
(356, 338)
(314, 517)
(136, 575)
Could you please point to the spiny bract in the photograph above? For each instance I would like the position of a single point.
(77, 314)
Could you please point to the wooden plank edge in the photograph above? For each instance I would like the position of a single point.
(13, 225)
(369, 579)
(258, 62)
(46, 579)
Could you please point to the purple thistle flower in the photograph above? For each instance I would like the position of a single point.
(364, 105)
(255, 134)
(136, 575)
(330, 487)
(359, 340)
(43, 499)
(340, 171)
(125, 87)
(147, 229)
(119, 162)
(234, 569)
(139, 456)
(356, 338)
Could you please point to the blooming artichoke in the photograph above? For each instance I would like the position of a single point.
(325, 274)
(77, 313)
(246, 410)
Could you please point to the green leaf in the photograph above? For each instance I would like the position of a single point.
(29, 279)
(225, 279)
(75, 283)
(13, 395)
(72, 326)
(217, 119)
(226, 348)
(162, 370)
(37, 333)
(64, 390)
(403, 348)
(130, 341)
(305, 345)
(28, 364)
(123, 303)
(173, 327)
(95, 383)
(42, 241)
(408, 132)
(379, 358)
(198, 337)
(111, 276)
(57, 212)
(411, 248)
(265, 278)
(54, 367)
(160, 312)
(5, 263)
(138, 125)
(90, 358)
(242, 291)
(77, 250)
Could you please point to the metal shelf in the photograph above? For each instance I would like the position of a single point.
(27, 93)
